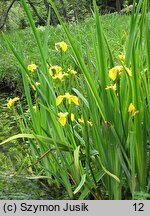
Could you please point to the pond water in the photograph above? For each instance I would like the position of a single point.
(17, 186)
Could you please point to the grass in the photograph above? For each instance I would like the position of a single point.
(89, 131)
(116, 28)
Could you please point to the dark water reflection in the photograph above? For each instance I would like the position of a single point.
(11, 156)
(13, 188)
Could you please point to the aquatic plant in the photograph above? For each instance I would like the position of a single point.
(89, 129)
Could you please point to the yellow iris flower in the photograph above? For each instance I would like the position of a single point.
(62, 118)
(71, 98)
(122, 57)
(60, 76)
(72, 117)
(68, 97)
(132, 110)
(11, 102)
(32, 67)
(62, 45)
(35, 108)
(112, 87)
(37, 83)
(59, 99)
(90, 123)
(57, 69)
(71, 71)
(33, 87)
(113, 72)
(81, 119)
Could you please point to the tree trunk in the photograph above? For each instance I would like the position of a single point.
(41, 20)
(118, 5)
(47, 6)
(6, 15)
(64, 13)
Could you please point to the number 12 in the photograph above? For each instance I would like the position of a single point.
(138, 206)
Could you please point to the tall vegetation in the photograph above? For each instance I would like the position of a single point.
(89, 129)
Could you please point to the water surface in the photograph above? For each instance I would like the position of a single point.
(14, 185)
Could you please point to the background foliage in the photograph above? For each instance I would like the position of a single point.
(12, 15)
